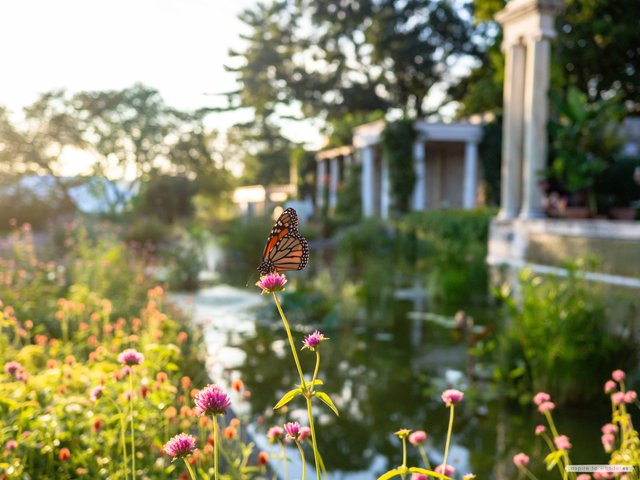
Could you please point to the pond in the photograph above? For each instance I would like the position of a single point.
(381, 380)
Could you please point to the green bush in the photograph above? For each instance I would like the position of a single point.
(615, 186)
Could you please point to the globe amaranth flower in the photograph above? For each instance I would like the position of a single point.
(312, 340)
(520, 459)
(263, 458)
(419, 476)
(630, 396)
(608, 441)
(562, 442)
(96, 393)
(13, 368)
(609, 386)
(275, 433)
(417, 438)
(617, 398)
(11, 445)
(452, 397)
(618, 375)
(541, 397)
(609, 428)
(293, 430)
(212, 400)
(583, 476)
(447, 470)
(546, 407)
(272, 282)
(182, 445)
(130, 357)
(540, 429)
(304, 433)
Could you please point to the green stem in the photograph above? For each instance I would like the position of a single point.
(316, 455)
(133, 440)
(304, 463)
(191, 473)
(216, 445)
(528, 473)
(425, 459)
(404, 452)
(123, 441)
(315, 370)
(293, 348)
(446, 448)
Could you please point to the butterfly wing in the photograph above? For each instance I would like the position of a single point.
(286, 249)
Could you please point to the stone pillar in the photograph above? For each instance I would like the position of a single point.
(321, 175)
(367, 186)
(511, 187)
(470, 175)
(385, 188)
(334, 179)
(535, 124)
(418, 201)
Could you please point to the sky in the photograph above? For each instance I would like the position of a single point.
(176, 46)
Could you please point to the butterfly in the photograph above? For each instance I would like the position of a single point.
(286, 249)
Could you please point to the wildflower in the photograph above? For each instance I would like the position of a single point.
(96, 393)
(608, 441)
(617, 398)
(293, 430)
(11, 445)
(263, 458)
(546, 407)
(609, 428)
(182, 337)
(419, 476)
(229, 433)
(540, 429)
(180, 446)
(185, 382)
(630, 396)
(275, 433)
(144, 391)
(618, 375)
(130, 357)
(452, 397)
(520, 459)
(541, 397)
(161, 377)
(402, 433)
(312, 340)
(417, 438)
(98, 423)
(235, 422)
(64, 454)
(447, 470)
(562, 442)
(609, 386)
(583, 476)
(272, 282)
(212, 400)
(237, 385)
(170, 412)
(304, 433)
(13, 368)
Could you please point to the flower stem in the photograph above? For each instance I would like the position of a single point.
(315, 371)
(528, 473)
(133, 440)
(425, 459)
(123, 441)
(316, 455)
(293, 348)
(304, 463)
(404, 452)
(446, 448)
(191, 473)
(216, 446)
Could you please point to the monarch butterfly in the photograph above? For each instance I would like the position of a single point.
(286, 249)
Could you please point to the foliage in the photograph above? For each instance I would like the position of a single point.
(490, 150)
(348, 205)
(168, 198)
(615, 186)
(559, 336)
(184, 263)
(147, 231)
(397, 149)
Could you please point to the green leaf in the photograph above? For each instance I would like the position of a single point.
(390, 474)
(553, 458)
(290, 395)
(325, 398)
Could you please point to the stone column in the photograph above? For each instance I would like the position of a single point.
(512, 135)
(321, 175)
(367, 186)
(418, 201)
(470, 175)
(334, 179)
(385, 188)
(535, 124)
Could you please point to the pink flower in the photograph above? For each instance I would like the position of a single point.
(546, 407)
(618, 375)
(419, 476)
(11, 445)
(275, 433)
(603, 474)
(96, 393)
(583, 476)
(304, 433)
(272, 282)
(540, 429)
(182, 445)
(13, 368)
(447, 470)
(617, 398)
(630, 396)
(212, 400)
(292, 429)
(541, 397)
(520, 459)
(562, 442)
(608, 441)
(417, 438)
(609, 428)
(130, 357)
(609, 386)
(452, 397)
(313, 340)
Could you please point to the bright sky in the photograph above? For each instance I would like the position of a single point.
(176, 46)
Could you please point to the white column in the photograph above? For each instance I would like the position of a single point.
(385, 188)
(535, 124)
(418, 202)
(334, 179)
(321, 174)
(512, 153)
(367, 187)
(470, 175)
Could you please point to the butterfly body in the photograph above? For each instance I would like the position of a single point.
(286, 249)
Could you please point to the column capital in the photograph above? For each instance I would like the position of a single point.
(524, 20)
